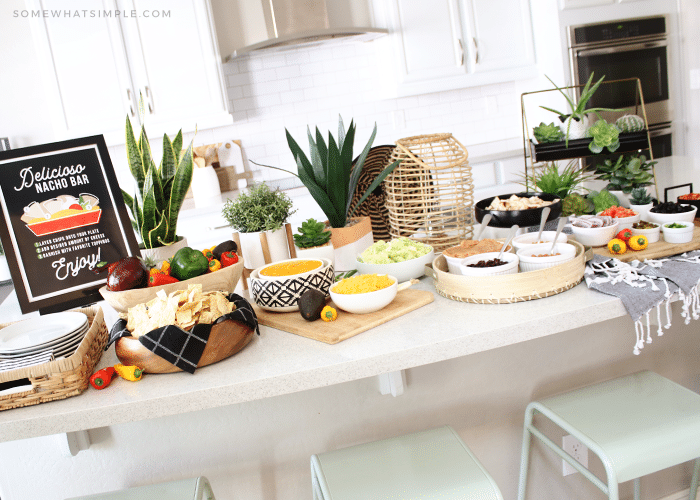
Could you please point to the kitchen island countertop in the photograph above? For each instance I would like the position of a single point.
(278, 362)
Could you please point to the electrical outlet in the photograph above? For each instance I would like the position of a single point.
(578, 452)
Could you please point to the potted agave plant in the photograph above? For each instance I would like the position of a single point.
(331, 176)
(160, 192)
(313, 241)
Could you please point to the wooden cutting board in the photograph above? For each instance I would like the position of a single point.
(656, 250)
(347, 325)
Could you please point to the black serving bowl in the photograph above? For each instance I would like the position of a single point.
(523, 218)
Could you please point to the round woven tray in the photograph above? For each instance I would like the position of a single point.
(374, 206)
(509, 288)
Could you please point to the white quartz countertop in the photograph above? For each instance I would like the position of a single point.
(278, 362)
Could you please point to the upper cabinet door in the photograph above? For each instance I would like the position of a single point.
(175, 64)
(500, 34)
(429, 37)
(85, 68)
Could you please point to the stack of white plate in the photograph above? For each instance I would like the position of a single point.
(41, 339)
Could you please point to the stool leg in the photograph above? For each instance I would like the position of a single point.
(525, 454)
(637, 489)
(694, 481)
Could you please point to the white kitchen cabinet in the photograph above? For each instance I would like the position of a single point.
(450, 44)
(98, 57)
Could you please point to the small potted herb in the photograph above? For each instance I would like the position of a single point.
(313, 240)
(260, 210)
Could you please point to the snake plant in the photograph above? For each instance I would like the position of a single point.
(330, 175)
(160, 190)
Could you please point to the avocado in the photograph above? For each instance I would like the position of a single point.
(311, 303)
(225, 246)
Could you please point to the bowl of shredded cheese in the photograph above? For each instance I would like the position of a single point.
(364, 293)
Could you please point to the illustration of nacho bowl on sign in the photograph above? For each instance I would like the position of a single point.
(63, 213)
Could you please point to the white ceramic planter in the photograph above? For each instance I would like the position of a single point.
(323, 252)
(159, 254)
(251, 248)
(577, 129)
(4, 269)
(351, 241)
(206, 190)
(642, 210)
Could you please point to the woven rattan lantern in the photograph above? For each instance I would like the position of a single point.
(430, 194)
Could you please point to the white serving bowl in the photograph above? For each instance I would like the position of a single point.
(403, 271)
(527, 239)
(595, 236)
(664, 218)
(363, 303)
(678, 234)
(510, 268)
(625, 222)
(653, 235)
(530, 263)
(454, 262)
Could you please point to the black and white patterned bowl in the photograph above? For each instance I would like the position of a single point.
(281, 295)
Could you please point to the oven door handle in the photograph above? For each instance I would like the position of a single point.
(620, 48)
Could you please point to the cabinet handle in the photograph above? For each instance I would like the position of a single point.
(461, 48)
(476, 51)
(149, 97)
(130, 100)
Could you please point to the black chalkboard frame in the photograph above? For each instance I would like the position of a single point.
(87, 293)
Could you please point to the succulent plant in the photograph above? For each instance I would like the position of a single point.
(605, 135)
(630, 123)
(627, 173)
(578, 110)
(312, 234)
(547, 133)
(640, 196)
(576, 204)
(160, 190)
(550, 179)
(262, 209)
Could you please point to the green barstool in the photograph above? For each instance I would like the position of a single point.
(433, 464)
(196, 488)
(637, 424)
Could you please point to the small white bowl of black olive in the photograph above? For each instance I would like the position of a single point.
(488, 264)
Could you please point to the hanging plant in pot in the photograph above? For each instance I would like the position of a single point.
(160, 192)
(575, 123)
(260, 210)
(331, 179)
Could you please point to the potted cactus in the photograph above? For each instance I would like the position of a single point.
(313, 240)
(160, 192)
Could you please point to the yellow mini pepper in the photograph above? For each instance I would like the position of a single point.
(214, 265)
(133, 373)
(165, 267)
(616, 246)
(638, 242)
(329, 314)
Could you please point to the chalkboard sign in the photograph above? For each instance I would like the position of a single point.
(62, 214)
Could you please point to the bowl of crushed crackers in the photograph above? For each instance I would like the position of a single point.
(364, 293)
(224, 279)
(211, 312)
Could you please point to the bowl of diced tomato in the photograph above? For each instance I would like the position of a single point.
(625, 217)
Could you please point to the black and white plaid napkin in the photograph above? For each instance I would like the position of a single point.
(184, 348)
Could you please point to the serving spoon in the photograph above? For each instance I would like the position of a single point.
(510, 237)
(484, 222)
(543, 221)
(560, 226)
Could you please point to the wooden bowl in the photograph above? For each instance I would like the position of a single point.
(224, 279)
(226, 339)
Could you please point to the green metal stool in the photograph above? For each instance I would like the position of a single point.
(637, 424)
(196, 488)
(433, 464)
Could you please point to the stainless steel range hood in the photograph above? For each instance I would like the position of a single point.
(244, 26)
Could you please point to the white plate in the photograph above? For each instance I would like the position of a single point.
(54, 344)
(40, 331)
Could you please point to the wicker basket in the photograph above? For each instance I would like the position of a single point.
(64, 377)
(430, 194)
(508, 288)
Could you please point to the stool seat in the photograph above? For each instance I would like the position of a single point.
(432, 464)
(642, 422)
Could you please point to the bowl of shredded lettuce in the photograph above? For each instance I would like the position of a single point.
(402, 258)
